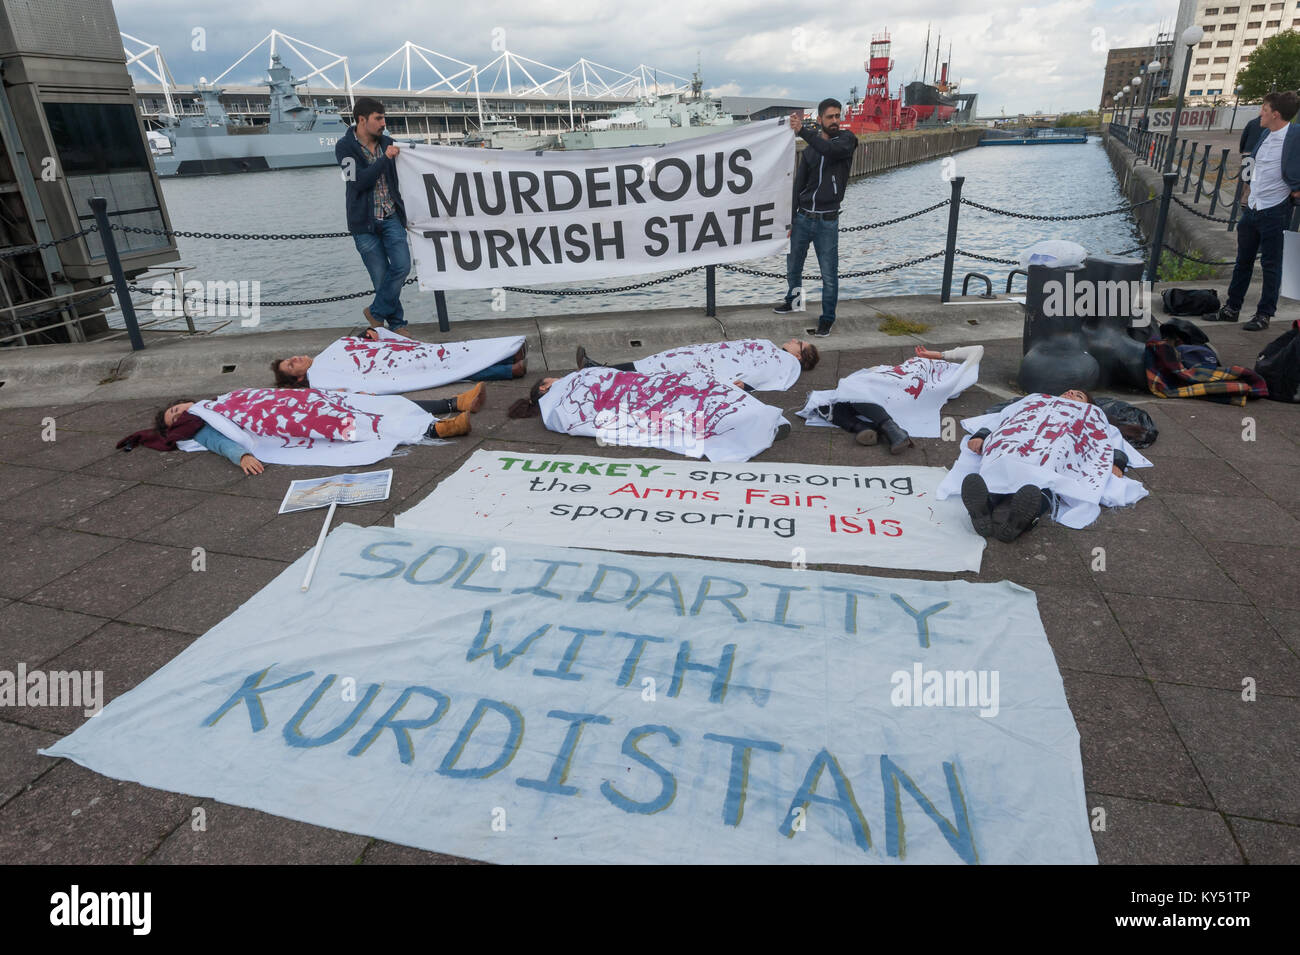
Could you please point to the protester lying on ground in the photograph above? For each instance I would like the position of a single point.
(759, 364)
(686, 412)
(383, 362)
(1041, 454)
(1182, 364)
(300, 426)
(896, 401)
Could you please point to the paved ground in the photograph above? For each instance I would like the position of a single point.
(1199, 594)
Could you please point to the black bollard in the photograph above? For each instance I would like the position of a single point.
(954, 210)
(99, 206)
(711, 291)
(1158, 241)
(440, 300)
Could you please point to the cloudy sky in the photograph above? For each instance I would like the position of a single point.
(1019, 58)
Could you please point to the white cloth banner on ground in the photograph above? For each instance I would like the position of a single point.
(530, 704)
(396, 364)
(793, 513)
(1055, 443)
(481, 218)
(762, 365)
(684, 412)
(307, 426)
(912, 392)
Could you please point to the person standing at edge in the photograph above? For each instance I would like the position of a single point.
(1274, 185)
(376, 216)
(818, 189)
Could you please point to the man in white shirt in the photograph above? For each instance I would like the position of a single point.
(1273, 176)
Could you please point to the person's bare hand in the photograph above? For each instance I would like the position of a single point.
(923, 352)
(391, 152)
(796, 121)
(372, 334)
(976, 445)
(250, 464)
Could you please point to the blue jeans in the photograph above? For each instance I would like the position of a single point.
(1259, 232)
(502, 371)
(388, 260)
(825, 238)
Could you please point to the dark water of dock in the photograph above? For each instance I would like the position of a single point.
(1046, 180)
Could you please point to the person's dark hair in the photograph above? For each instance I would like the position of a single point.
(159, 424)
(283, 379)
(809, 356)
(527, 407)
(827, 103)
(366, 106)
(1285, 103)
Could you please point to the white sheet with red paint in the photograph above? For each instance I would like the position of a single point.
(688, 413)
(912, 392)
(310, 426)
(1055, 443)
(396, 364)
(761, 364)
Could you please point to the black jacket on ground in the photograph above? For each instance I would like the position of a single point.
(360, 188)
(823, 170)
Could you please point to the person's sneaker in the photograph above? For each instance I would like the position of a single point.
(1225, 314)
(867, 437)
(823, 328)
(584, 360)
(785, 308)
(975, 498)
(782, 431)
(473, 399)
(1021, 513)
(519, 369)
(1257, 324)
(452, 427)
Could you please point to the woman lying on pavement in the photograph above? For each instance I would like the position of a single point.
(254, 426)
(382, 362)
(688, 413)
(1040, 454)
(761, 365)
(896, 401)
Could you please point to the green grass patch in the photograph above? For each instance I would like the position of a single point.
(1175, 268)
(893, 325)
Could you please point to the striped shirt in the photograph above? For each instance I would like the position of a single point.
(384, 206)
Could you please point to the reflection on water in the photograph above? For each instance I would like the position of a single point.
(1045, 180)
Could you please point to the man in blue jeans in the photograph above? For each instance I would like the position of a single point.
(819, 186)
(376, 216)
(1274, 177)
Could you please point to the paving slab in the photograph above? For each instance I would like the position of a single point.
(220, 834)
(116, 581)
(30, 634)
(33, 560)
(20, 764)
(197, 601)
(1267, 843)
(1152, 833)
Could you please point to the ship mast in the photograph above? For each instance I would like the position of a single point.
(938, 46)
(925, 64)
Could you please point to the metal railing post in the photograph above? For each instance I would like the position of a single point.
(440, 301)
(711, 291)
(1182, 149)
(1218, 180)
(1200, 179)
(99, 206)
(954, 210)
(1158, 241)
(1191, 161)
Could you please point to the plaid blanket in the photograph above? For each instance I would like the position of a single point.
(1168, 377)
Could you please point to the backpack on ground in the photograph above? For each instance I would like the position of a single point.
(1279, 365)
(1190, 301)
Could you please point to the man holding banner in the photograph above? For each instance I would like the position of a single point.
(818, 189)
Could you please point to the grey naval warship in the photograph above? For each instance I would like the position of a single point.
(297, 135)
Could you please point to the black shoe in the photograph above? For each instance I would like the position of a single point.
(785, 308)
(1225, 314)
(975, 497)
(1257, 324)
(1021, 513)
(782, 431)
(823, 328)
(896, 436)
(867, 437)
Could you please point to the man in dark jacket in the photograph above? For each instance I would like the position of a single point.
(818, 189)
(1250, 134)
(376, 216)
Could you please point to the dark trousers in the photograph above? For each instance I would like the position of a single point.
(846, 414)
(1259, 232)
(438, 405)
(501, 371)
(1044, 506)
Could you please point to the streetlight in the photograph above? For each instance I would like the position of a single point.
(1126, 91)
(1137, 83)
(1237, 93)
(1190, 37)
(1153, 70)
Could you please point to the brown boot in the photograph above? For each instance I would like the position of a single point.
(374, 322)
(519, 369)
(473, 399)
(453, 427)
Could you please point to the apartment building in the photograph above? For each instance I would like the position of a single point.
(1232, 32)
